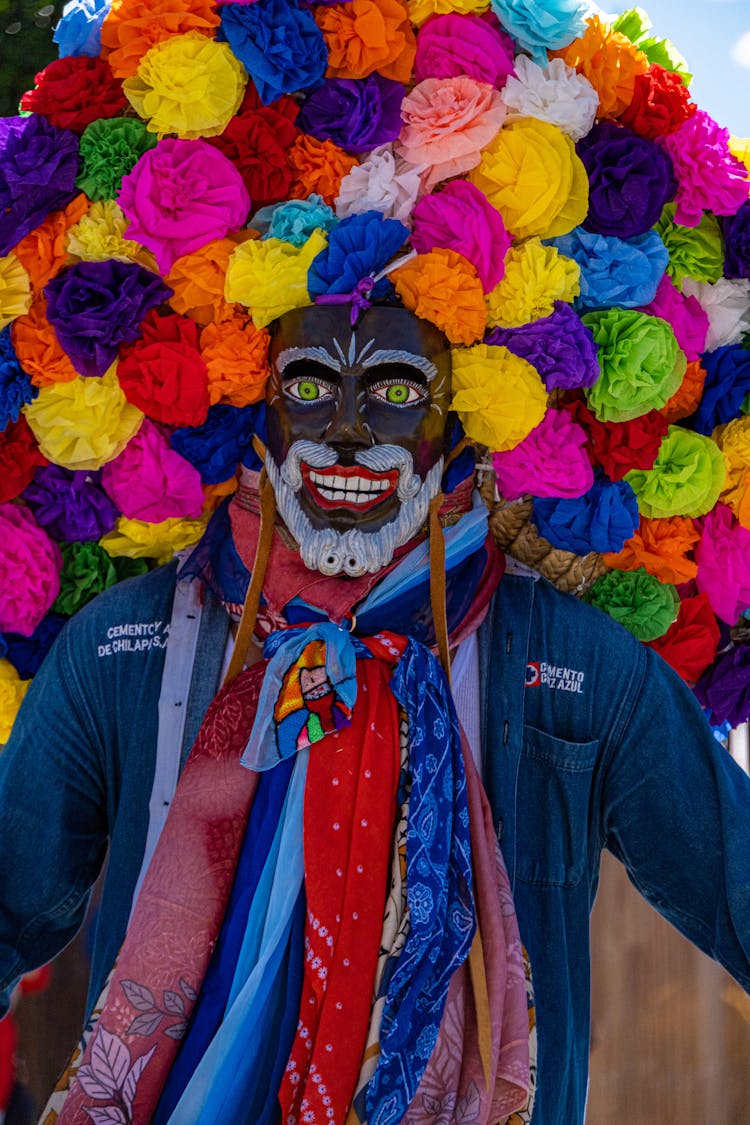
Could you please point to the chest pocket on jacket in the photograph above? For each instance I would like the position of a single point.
(552, 812)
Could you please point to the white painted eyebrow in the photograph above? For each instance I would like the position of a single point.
(318, 354)
(398, 355)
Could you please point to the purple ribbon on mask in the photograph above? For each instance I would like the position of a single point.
(359, 298)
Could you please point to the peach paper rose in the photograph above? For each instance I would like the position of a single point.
(447, 123)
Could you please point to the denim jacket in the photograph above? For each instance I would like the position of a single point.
(589, 741)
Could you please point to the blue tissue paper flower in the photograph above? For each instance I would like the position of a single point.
(80, 27)
(727, 383)
(358, 247)
(603, 519)
(16, 387)
(295, 220)
(615, 271)
(223, 442)
(279, 44)
(27, 653)
(536, 27)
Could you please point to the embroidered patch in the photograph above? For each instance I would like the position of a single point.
(555, 676)
(533, 675)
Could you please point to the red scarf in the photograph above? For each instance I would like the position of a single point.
(350, 810)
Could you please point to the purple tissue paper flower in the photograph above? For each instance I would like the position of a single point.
(357, 115)
(96, 306)
(725, 687)
(559, 346)
(736, 231)
(70, 504)
(630, 180)
(38, 168)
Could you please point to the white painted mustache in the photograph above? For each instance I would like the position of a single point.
(378, 459)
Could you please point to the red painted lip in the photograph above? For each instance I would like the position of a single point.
(351, 479)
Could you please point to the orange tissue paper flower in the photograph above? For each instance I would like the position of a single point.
(686, 398)
(132, 27)
(363, 36)
(42, 252)
(610, 62)
(236, 356)
(443, 287)
(38, 350)
(318, 166)
(198, 283)
(662, 547)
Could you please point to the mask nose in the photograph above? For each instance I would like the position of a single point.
(349, 425)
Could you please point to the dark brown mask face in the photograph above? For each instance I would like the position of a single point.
(384, 383)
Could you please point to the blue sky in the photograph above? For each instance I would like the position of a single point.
(714, 37)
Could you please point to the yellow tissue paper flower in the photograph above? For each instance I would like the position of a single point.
(733, 439)
(137, 539)
(188, 85)
(535, 277)
(740, 147)
(84, 423)
(421, 10)
(269, 276)
(100, 235)
(532, 174)
(12, 691)
(15, 290)
(499, 397)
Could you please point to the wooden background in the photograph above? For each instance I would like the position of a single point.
(671, 1030)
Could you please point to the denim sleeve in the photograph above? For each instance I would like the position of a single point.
(676, 812)
(53, 830)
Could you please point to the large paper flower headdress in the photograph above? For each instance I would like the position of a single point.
(534, 180)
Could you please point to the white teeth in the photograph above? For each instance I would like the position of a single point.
(353, 489)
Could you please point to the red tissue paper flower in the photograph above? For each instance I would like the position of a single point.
(689, 644)
(163, 374)
(20, 457)
(661, 103)
(74, 91)
(256, 140)
(619, 447)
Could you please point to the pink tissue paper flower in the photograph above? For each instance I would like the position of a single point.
(689, 321)
(460, 218)
(454, 44)
(30, 566)
(723, 558)
(552, 461)
(709, 177)
(181, 195)
(151, 481)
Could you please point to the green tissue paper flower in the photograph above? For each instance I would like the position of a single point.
(129, 568)
(686, 479)
(696, 252)
(87, 570)
(635, 26)
(642, 365)
(109, 149)
(640, 602)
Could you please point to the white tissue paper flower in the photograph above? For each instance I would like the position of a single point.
(726, 302)
(555, 93)
(382, 183)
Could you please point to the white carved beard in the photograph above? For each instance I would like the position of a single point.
(352, 552)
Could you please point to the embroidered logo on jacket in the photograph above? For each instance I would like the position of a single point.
(134, 636)
(542, 674)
